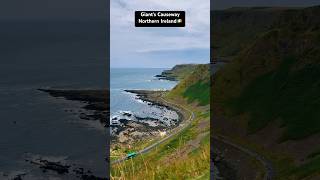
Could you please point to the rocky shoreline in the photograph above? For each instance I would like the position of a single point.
(165, 77)
(97, 102)
(63, 168)
(129, 132)
(95, 108)
(49, 168)
(154, 98)
(177, 73)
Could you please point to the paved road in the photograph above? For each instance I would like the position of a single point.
(178, 130)
(266, 163)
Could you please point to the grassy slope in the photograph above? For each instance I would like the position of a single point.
(276, 78)
(235, 28)
(291, 97)
(168, 161)
(186, 155)
(195, 87)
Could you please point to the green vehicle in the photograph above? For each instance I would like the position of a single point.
(131, 155)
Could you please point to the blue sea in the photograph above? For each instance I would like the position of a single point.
(141, 79)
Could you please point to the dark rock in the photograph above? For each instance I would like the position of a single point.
(17, 178)
(95, 100)
(54, 166)
(92, 177)
(127, 114)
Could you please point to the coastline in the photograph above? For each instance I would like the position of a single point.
(155, 98)
(95, 100)
(147, 132)
(97, 103)
(95, 108)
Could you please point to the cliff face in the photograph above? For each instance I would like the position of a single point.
(272, 80)
(178, 72)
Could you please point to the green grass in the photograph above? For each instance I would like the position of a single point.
(149, 166)
(291, 96)
(200, 91)
(174, 159)
(195, 87)
(174, 144)
(262, 84)
(168, 160)
(180, 71)
(305, 170)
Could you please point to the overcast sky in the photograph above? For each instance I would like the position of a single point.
(96, 9)
(223, 4)
(159, 47)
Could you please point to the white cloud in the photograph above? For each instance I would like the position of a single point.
(127, 40)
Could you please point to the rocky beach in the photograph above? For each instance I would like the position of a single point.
(95, 108)
(126, 132)
(96, 102)
(129, 132)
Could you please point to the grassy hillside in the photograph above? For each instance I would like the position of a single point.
(187, 154)
(195, 87)
(236, 28)
(274, 78)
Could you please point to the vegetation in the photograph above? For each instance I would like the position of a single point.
(236, 28)
(187, 154)
(200, 92)
(291, 97)
(273, 78)
(174, 159)
(270, 84)
(195, 87)
(179, 72)
(305, 170)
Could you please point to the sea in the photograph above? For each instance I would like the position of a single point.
(121, 102)
(33, 125)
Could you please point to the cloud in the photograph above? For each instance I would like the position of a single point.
(129, 41)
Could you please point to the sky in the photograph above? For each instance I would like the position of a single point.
(133, 47)
(224, 4)
(96, 9)
(140, 47)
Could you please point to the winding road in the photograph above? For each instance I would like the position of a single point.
(177, 131)
(270, 172)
